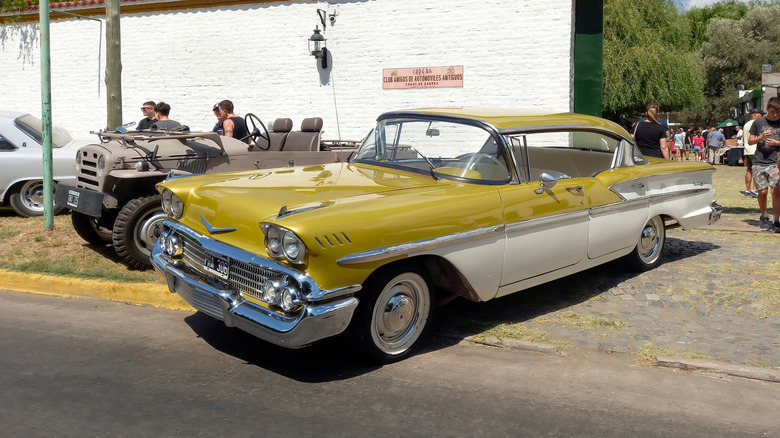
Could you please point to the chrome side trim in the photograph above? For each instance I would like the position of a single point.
(546, 221)
(420, 245)
(619, 206)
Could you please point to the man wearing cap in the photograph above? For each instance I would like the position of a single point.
(220, 119)
(750, 149)
(765, 134)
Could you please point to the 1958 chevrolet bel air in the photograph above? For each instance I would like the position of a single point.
(478, 203)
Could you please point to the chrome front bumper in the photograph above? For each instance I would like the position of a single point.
(325, 313)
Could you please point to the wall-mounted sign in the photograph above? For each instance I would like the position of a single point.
(422, 77)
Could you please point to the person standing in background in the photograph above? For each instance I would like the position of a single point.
(650, 136)
(765, 134)
(149, 116)
(750, 150)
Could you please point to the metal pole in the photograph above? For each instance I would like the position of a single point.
(48, 183)
(113, 66)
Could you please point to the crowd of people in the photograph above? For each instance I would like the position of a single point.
(760, 142)
(228, 123)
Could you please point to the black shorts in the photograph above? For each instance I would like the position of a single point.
(748, 159)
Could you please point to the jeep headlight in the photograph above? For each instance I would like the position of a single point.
(172, 205)
(281, 242)
(101, 166)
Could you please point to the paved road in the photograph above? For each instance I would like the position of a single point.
(85, 367)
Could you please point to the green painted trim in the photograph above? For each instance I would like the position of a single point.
(588, 56)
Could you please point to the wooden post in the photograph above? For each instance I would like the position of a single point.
(113, 66)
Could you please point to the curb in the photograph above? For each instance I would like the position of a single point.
(711, 366)
(136, 293)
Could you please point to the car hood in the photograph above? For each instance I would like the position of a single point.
(321, 199)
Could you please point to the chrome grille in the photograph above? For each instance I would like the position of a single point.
(244, 277)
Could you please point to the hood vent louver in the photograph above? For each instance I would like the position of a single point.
(333, 240)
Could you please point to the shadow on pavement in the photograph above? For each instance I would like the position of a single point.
(330, 360)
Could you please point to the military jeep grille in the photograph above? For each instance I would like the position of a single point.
(87, 175)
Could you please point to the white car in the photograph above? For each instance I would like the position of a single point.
(21, 165)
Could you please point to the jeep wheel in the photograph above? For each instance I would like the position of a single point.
(136, 230)
(88, 228)
(27, 199)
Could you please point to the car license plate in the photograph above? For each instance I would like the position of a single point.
(73, 198)
(217, 264)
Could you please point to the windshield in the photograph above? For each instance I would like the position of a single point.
(444, 149)
(33, 127)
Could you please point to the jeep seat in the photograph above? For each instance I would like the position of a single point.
(307, 139)
(279, 131)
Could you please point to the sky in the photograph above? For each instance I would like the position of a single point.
(684, 5)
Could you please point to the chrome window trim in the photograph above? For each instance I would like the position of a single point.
(420, 245)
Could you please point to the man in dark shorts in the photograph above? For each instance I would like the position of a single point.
(765, 134)
(233, 125)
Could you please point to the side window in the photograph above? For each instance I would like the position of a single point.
(569, 154)
(6, 145)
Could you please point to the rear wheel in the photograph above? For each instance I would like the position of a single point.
(394, 312)
(27, 199)
(89, 229)
(136, 230)
(647, 253)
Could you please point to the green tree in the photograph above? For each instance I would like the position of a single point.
(732, 54)
(648, 56)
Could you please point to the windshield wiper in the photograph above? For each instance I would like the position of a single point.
(430, 163)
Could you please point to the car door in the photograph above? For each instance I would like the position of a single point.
(547, 217)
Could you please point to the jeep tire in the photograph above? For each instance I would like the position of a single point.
(89, 229)
(136, 229)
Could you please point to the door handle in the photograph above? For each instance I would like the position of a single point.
(575, 189)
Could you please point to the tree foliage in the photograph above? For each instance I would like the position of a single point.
(731, 54)
(647, 57)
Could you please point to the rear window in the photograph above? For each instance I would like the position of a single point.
(33, 127)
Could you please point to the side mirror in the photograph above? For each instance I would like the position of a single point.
(548, 181)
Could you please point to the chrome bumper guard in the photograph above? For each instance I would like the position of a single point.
(717, 210)
(325, 313)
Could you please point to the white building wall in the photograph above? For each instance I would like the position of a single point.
(515, 53)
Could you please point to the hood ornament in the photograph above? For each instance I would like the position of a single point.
(215, 230)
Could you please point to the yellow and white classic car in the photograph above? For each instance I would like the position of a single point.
(477, 203)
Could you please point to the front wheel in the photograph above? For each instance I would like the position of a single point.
(647, 253)
(136, 230)
(393, 314)
(89, 229)
(27, 199)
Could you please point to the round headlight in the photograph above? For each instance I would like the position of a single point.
(101, 167)
(273, 241)
(289, 299)
(270, 293)
(177, 207)
(166, 201)
(292, 246)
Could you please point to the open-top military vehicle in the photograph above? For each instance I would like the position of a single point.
(114, 200)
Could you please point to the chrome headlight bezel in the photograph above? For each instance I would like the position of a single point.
(172, 205)
(282, 243)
